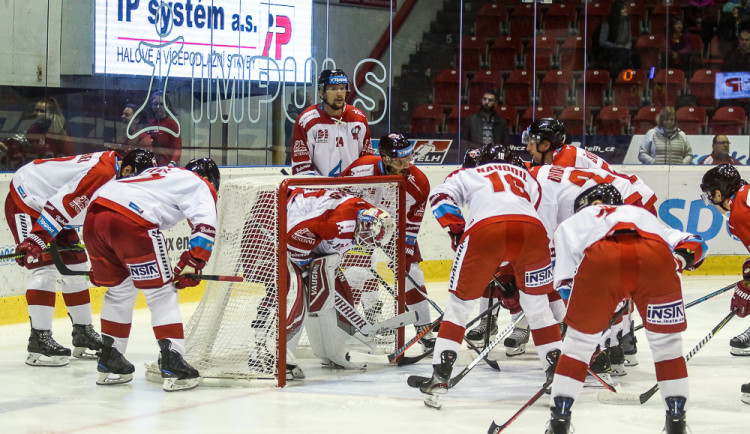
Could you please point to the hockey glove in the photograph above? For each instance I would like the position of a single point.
(685, 259)
(31, 248)
(508, 293)
(455, 231)
(746, 270)
(187, 265)
(741, 299)
(67, 238)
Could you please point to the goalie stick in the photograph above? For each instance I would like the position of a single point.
(63, 268)
(699, 300)
(608, 397)
(74, 247)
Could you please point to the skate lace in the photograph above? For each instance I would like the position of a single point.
(744, 337)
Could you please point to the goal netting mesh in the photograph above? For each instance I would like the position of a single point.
(236, 330)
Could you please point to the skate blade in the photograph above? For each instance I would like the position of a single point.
(433, 401)
(515, 351)
(631, 360)
(174, 385)
(593, 383)
(108, 378)
(742, 352)
(36, 359)
(84, 353)
(746, 398)
(618, 371)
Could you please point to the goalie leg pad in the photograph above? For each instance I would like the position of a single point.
(295, 303)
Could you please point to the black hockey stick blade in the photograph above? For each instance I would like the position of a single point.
(62, 268)
(495, 428)
(406, 360)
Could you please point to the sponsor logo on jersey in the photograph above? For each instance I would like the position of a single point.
(21, 192)
(80, 203)
(135, 207)
(144, 271)
(321, 136)
(47, 225)
(540, 277)
(299, 149)
(304, 236)
(431, 151)
(666, 313)
(355, 132)
(307, 117)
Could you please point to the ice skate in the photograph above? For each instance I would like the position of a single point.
(112, 366)
(740, 344)
(176, 372)
(559, 422)
(428, 340)
(602, 367)
(629, 348)
(745, 393)
(45, 351)
(617, 361)
(476, 335)
(86, 341)
(435, 387)
(339, 362)
(515, 344)
(675, 419)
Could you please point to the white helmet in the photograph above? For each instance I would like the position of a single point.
(374, 228)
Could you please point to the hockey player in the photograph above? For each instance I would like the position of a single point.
(329, 136)
(47, 199)
(128, 253)
(396, 154)
(323, 226)
(503, 227)
(636, 250)
(723, 188)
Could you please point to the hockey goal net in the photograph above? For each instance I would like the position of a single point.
(238, 330)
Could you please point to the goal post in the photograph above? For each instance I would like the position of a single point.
(239, 329)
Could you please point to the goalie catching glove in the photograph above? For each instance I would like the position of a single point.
(31, 248)
(187, 265)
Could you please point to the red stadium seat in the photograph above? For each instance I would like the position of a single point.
(451, 122)
(691, 120)
(729, 120)
(572, 55)
(668, 83)
(593, 15)
(662, 14)
(473, 50)
(483, 80)
(518, 88)
(612, 120)
(521, 20)
(645, 119)
(649, 48)
(559, 20)
(546, 51)
(533, 113)
(636, 14)
(597, 83)
(427, 118)
(555, 87)
(510, 114)
(630, 87)
(489, 20)
(448, 86)
(575, 118)
(505, 53)
(703, 86)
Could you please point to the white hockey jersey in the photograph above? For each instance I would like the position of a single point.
(162, 197)
(324, 145)
(321, 222)
(591, 224)
(492, 192)
(57, 191)
(562, 185)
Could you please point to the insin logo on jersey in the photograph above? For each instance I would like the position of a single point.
(666, 313)
(537, 278)
(144, 271)
(321, 136)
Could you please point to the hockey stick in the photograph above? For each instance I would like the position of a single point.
(607, 397)
(495, 428)
(74, 247)
(699, 300)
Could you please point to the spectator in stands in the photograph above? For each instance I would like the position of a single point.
(134, 125)
(485, 127)
(700, 18)
(167, 144)
(615, 42)
(738, 59)
(47, 135)
(730, 26)
(719, 152)
(665, 143)
(680, 52)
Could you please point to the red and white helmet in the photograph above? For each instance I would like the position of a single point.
(374, 228)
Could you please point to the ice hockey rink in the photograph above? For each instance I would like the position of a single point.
(66, 399)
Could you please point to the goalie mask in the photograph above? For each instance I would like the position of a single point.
(206, 168)
(607, 194)
(374, 228)
(724, 178)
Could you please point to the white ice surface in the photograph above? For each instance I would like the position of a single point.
(378, 401)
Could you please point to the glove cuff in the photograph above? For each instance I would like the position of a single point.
(38, 240)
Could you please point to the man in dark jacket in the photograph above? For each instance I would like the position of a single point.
(485, 127)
